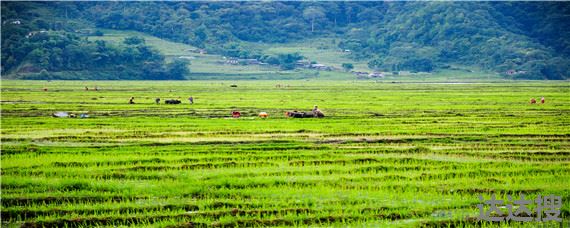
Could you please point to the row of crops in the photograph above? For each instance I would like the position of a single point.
(385, 155)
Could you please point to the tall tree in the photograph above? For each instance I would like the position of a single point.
(312, 13)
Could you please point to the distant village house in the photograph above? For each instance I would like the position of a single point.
(250, 61)
(376, 75)
(360, 74)
(232, 61)
(84, 31)
(186, 57)
(321, 67)
(303, 63)
(198, 50)
(515, 72)
(31, 34)
(13, 22)
(236, 61)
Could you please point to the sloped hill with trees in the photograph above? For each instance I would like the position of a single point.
(521, 40)
(32, 49)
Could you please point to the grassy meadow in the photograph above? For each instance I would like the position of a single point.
(386, 154)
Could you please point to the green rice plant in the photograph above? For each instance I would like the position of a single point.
(387, 154)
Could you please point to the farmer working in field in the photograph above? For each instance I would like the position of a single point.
(533, 101)
(157, 100)
(316, 110)
(542, 100)
(132, 100)
(191, 100)
(317, 113)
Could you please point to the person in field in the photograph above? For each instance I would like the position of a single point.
(317, 113)
(542, 100)
(533, 101)
(316, 109)
(86, 89)
(157, 100)
(191, 100)
(132, 100)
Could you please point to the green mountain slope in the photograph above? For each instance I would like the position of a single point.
(32, 48)
(520, 40)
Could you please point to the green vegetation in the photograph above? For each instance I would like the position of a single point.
(347, 66)
(42, 54)
(387, 154)
(523, 37)
(430, 125)
(520, 40)
(212, 66)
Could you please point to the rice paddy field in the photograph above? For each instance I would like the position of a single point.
(386, 154)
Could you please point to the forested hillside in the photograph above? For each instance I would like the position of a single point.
(39, 49)
(521, 40)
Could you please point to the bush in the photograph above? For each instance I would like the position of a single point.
(134, 40)
(347, 66)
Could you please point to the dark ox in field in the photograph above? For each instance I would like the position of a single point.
(172, 102)
(296, 114)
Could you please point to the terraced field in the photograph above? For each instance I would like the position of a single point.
(387, 154)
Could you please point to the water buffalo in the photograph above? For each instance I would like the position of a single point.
(172, 102)
(296, 114)
(319, 114)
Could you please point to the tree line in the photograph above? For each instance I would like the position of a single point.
(527, 37)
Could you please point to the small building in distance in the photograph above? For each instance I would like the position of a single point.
(318, 66)
(514, 72)
(84, 31)
(31, 34)
(249, 61)
(12, 22)
(232, 61)
(303, 63)
(198, 50)
(360, 74)
(236, 61)
(376, 75)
